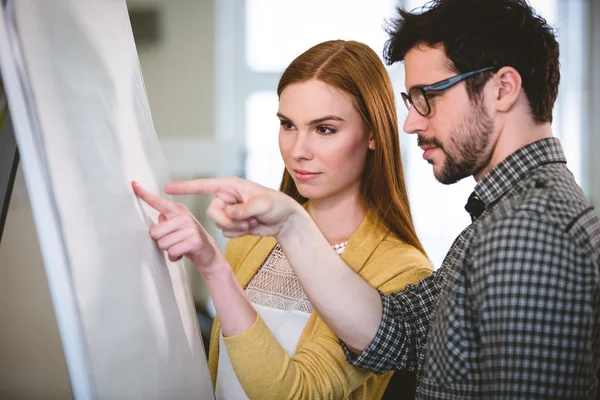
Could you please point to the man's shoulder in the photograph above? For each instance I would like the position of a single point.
(551, 193)
(549, 200)
(546, 220)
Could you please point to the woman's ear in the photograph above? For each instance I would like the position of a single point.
(371, 142)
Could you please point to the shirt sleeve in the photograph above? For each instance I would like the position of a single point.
(533, 291)
(400, 341)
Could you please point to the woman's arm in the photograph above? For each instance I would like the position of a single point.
(236, 313)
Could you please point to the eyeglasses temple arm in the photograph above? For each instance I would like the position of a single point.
(445, 84)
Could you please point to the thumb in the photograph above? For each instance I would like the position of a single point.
(228, 198)
(253, 208)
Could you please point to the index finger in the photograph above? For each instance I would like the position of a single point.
(158, 203)
(208, 186)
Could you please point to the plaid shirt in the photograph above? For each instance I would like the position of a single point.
(514, 310)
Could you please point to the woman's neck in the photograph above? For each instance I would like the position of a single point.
(337, 218)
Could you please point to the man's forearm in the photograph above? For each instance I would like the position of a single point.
(348, 304)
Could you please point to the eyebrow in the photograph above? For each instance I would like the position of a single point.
(412, 87)
(315, 121)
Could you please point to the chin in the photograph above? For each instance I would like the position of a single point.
(449, 175)
(310, 193)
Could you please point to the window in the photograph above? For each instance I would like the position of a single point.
(279, 31)
(263, 162)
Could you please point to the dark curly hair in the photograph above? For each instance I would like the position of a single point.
(481, 33)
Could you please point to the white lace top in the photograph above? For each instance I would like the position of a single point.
(278, 297)
(276, 286)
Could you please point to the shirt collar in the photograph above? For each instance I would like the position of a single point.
(511, 170)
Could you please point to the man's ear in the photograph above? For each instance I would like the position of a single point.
(508, 85)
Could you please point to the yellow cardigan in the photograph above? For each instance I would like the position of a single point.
(318, 369)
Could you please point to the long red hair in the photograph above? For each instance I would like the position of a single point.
(356, 69)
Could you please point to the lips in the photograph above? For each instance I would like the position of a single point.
(303, 175)
(428, 151)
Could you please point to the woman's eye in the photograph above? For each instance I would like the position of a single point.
(287, 125)
(325, 130)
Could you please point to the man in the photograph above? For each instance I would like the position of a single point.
(514, 311)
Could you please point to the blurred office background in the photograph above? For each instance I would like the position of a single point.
(211, 68)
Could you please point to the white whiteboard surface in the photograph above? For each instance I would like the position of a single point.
(84, 131)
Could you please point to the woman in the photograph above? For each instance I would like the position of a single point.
(339, 142)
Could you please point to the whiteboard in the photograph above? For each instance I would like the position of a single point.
(84, 130)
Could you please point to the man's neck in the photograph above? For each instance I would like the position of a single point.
(513, 136)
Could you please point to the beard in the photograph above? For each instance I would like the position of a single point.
(466, 153)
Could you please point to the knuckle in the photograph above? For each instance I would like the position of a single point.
(211, 212)
(196, 243)
(196, 239)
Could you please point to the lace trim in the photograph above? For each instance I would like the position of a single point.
(275, 285)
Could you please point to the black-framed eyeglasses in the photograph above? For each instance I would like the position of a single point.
(417, 96)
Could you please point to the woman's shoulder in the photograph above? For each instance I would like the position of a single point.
(394, 249)
(388, 246)
(394, 263)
